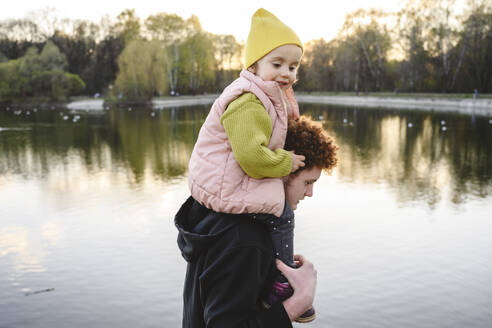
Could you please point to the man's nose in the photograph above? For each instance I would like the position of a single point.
(309, 191)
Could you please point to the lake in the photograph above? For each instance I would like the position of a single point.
(400, 232)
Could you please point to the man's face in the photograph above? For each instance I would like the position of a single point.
(280, 65)
(300, 185)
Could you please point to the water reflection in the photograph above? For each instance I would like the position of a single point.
(132, 141)
(420, 156)
(16, 245)
(86, 208)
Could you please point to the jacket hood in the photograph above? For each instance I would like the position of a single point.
(198, 228)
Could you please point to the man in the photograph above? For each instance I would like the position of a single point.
(231, 262)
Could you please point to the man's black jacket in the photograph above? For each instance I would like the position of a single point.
(230, 269)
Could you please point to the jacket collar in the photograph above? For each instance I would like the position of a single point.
(274, 93)
(270, 88)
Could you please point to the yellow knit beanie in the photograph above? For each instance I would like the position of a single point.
(267, 33)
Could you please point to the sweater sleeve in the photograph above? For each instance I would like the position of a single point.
(249, 127)
(230, 296)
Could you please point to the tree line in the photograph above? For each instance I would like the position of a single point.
(425, 47)
(126, 58)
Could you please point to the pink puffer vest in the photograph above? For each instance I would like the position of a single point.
(215, 178)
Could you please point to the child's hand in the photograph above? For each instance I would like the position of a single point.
(297, 161)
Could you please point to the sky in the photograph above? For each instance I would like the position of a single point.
(310, 19)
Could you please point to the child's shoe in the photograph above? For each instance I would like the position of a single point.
(307, 316)
(281, 290)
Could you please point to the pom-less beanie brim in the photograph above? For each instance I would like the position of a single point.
(267, 33)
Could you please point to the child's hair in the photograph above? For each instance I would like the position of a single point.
(307, 137)
(267, 32)
(253, 66)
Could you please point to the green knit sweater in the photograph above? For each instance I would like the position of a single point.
(249, 127)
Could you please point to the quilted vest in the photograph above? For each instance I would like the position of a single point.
(215, 178)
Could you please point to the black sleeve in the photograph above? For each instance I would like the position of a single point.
(231, 288)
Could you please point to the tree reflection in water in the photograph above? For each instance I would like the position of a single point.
(420, 156)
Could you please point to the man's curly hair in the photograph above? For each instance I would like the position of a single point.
(307, 137)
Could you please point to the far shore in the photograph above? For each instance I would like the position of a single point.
(157, 103)
(479, 106)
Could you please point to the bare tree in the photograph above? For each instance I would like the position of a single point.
(171, 30)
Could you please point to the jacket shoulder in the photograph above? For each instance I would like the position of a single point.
(246, 233)
(245, 98)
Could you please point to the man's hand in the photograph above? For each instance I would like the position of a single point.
(297, 161)
(303, 281)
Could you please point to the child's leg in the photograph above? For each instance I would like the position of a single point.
(282, 232)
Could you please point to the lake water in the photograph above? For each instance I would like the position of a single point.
(401, 232)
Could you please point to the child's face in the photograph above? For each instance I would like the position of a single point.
(279, 65)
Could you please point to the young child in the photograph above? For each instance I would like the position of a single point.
(238, 161)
